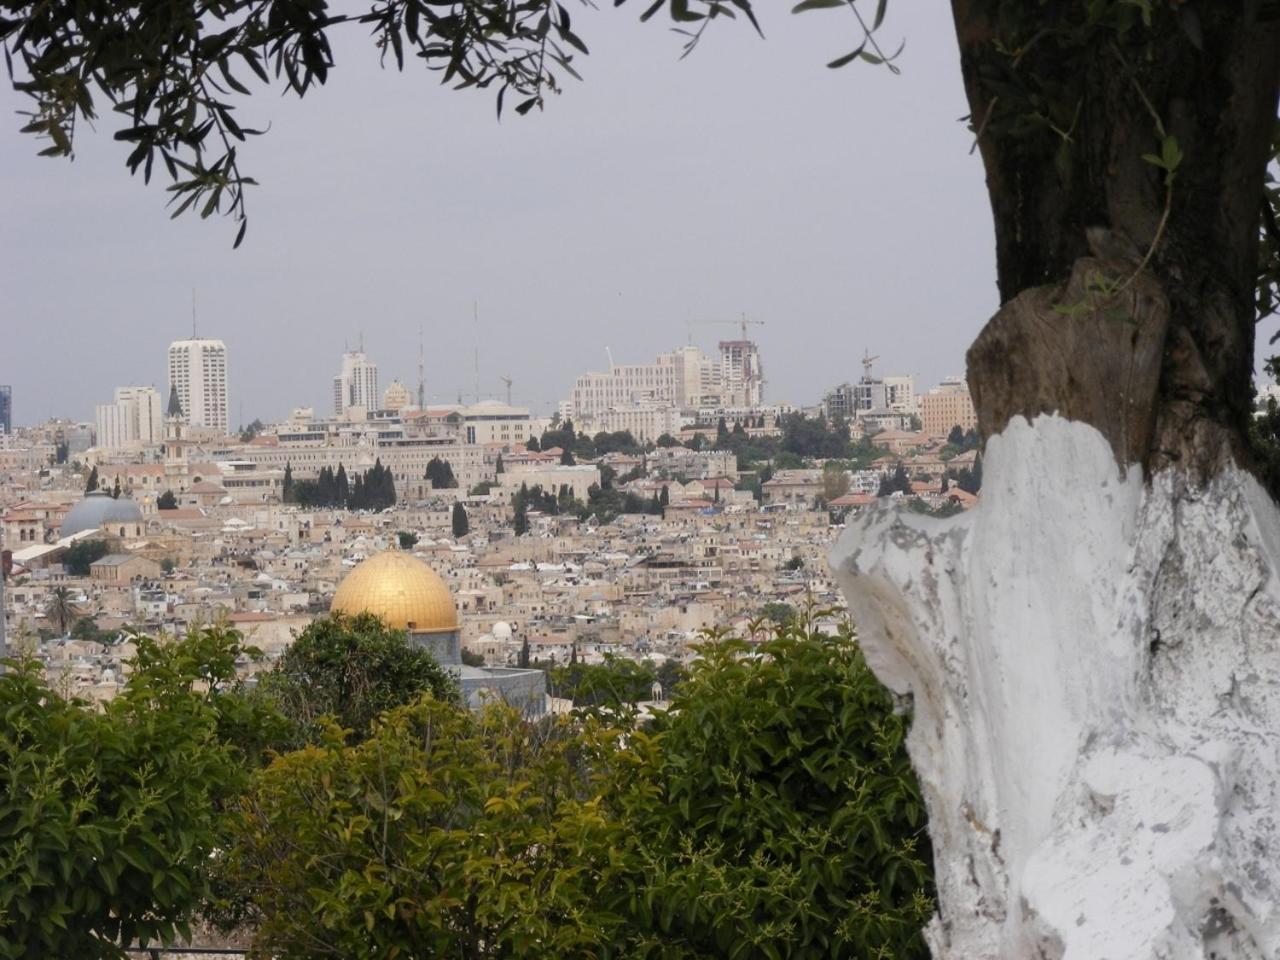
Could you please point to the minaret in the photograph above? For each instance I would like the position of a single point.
(175, 444)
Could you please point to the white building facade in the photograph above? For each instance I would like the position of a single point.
(198, 371)
(357, 384)
(684, 379)
(133, 421)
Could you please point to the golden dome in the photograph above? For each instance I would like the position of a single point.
(402, 590)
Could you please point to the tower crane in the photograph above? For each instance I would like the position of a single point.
(743, 323)
(867, 361)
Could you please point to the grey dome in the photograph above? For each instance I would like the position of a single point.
(98, 507)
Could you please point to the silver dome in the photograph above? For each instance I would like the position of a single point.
(99, 507)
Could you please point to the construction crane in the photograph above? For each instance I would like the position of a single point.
(743, 323)
(507, 381)
(867, 361)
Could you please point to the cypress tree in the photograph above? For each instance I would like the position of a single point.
(92, 483)
(521, 521)
(460, 522)
(342, 488)
(388, 489)
(286, 487)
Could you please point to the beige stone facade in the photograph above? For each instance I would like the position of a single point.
(945, 406)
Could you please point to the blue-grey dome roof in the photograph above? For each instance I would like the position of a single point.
(99, 507)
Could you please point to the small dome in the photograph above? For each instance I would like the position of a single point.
(402, 590)
(99, 507)
(502, 630)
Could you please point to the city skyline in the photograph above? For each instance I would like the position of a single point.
(322, 401)
(639, 200)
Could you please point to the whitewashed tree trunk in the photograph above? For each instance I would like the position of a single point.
(1092, 658)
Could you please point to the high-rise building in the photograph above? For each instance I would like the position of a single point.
(741, 375)
(198, 372)
(135, 419)
(947, 405)
(356, 385)
(6, 409)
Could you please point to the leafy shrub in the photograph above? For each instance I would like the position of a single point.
(109, 816)
(773, 812)
(445, 834)
(350, 669)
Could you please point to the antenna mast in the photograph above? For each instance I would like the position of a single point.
(422, 383)
(475, 318)
(193, 313)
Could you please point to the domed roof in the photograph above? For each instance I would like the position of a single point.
(402, 590)
(99, 507)
(501, 630)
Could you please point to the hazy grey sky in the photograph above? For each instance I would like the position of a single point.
(842, 207)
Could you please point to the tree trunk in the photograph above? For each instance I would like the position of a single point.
(1092, 654)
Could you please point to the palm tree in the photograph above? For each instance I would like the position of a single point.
(60, 609)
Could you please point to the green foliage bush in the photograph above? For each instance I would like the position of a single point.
(350, 669)
(108, 817)
(445, 834)
(614, 684)
(770, 813)
(773, 812)
(82, 555)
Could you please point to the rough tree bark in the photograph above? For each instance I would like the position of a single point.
(1093, 653)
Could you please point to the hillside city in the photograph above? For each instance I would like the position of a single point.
(660, 500)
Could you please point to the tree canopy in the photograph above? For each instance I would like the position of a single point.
(110, 814)
(349, 669)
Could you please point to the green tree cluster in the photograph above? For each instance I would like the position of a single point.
(348, 670)
(770, 813)
(375, 489)
(111, 814)
(82, 554)
(619, 441)
(960, 440)
(616, 683)
(968, 479)
(803, 438)
(252, 430)
(440, 474)
(897, 482)
(167, 501)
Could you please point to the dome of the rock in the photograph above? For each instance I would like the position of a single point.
(402, 590)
